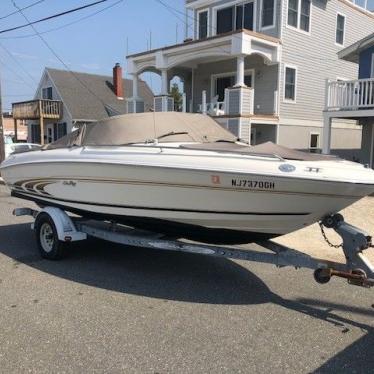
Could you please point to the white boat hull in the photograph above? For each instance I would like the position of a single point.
(204, 194)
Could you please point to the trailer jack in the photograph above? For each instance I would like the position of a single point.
(355, 242)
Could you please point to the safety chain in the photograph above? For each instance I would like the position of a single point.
(327, 239)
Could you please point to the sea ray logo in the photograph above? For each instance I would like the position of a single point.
(69, 183)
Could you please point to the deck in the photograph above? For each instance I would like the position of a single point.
(36, 109)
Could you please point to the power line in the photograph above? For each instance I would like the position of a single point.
(26, 7)
(65, 25)
(17, 62)
(56, 55)
(16, 74)
(50, 17)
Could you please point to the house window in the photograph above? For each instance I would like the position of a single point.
(62, 130)
(293, 10)
(267, 16)
(305, 15)
(235, 17)
(340, 29)
(225, 20)
(203, 24)
(47, 93)
(35, 133)
(314, 143)
(299, 14)
(244, 20)
(372, 65)
(290, 84)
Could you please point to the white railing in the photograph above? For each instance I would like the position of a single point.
(350, 95)
(216, 108)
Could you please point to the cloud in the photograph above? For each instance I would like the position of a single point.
(24, 56)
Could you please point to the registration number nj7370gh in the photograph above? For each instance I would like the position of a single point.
(245, 183)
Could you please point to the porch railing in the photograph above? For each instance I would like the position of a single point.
(216, 108)
(37, 108)
(350, 95)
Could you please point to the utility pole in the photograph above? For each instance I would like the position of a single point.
(2, 146)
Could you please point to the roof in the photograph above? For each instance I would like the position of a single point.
(196, 41)
(100, 100)
(352, 52)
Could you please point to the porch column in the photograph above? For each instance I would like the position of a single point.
(371, 161)
(240, 71)
(41, 121)
(135, 86)
(164, 82)
(326, 134)
(184, 103)
(203, 103)
(15, 130)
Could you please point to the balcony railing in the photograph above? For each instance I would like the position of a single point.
(215, 109)
(35, 109)
(350, 95)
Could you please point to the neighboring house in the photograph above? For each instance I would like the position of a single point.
(354, 99)
(9, 128)
(65, 99)
(259, 66)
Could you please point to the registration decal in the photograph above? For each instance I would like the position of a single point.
(253, 184)
(216, 179)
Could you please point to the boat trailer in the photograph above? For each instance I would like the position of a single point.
(55, 230)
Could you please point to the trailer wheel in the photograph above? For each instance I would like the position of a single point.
(50, 247)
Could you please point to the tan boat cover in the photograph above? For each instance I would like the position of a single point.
(143, 127)
(200, 129)
(264, 149)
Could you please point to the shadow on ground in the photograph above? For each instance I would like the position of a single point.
(185, 277)
(139, 271)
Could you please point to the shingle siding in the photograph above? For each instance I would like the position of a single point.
(315, 55)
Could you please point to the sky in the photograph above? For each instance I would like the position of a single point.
(92, 45)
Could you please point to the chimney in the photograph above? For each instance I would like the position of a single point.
(117, 81)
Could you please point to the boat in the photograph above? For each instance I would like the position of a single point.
(184, 175)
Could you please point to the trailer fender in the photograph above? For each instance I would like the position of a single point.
(66, 230)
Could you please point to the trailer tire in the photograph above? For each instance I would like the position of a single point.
(50, 247)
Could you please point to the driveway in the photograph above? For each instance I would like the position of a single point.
(112, 309)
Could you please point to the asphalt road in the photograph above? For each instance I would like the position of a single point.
(112, 309)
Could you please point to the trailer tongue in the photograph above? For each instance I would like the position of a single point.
(55, 230)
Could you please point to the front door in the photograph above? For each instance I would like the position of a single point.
(221, 83)
(50, 133)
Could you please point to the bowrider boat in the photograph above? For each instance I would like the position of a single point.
(186, 176)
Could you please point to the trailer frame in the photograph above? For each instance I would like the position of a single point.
(65, 229)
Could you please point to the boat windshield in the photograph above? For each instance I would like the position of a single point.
(171, 133)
